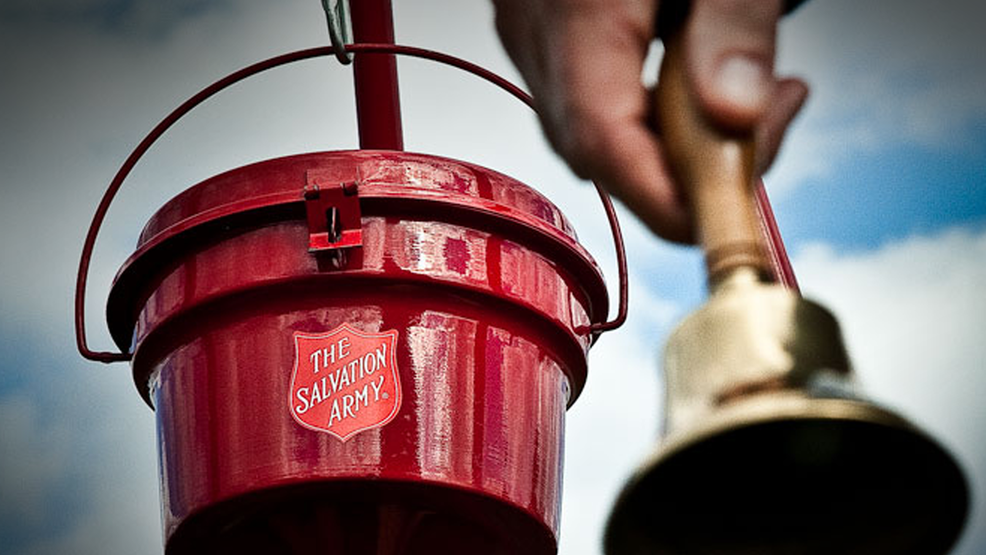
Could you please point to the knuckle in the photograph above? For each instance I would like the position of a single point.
(583, 142)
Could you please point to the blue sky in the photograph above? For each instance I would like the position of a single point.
(880, 192)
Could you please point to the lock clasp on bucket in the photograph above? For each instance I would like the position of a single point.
(334, 217)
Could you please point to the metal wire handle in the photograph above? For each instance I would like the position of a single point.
(276, 61)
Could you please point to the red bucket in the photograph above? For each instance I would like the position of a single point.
(354, 351)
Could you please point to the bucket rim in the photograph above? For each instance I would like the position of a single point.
(161, 243)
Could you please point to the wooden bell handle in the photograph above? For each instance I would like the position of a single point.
(714, 167)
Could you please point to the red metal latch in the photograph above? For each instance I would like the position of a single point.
(334, 219)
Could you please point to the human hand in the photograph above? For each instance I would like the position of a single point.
(583, 61)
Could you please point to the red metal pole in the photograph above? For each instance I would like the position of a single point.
(783, 271)
(378, 106)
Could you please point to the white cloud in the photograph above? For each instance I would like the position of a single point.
(32, 457)
(913, 314)
(613, 425)
(881, 77)
(77, 453)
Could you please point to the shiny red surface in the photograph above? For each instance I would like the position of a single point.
(776, 253)
(378, 106)
(486, 287)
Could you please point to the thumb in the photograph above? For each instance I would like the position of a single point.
(730, 47)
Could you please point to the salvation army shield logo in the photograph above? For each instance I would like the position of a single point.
(345, 381)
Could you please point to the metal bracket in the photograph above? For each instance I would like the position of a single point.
(334, 217)
(340, 28)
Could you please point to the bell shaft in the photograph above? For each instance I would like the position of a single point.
(714, 166)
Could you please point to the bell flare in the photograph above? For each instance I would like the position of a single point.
(793, 476)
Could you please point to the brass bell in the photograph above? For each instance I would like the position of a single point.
(767, 448)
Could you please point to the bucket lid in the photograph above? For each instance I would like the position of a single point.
(390, 182)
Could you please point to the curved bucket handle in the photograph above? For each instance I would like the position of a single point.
(284, 59)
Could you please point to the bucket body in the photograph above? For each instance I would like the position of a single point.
(386, 372)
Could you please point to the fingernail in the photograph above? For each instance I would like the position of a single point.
(742, 81)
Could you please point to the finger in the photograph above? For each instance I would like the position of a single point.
(519, 27)
(788, 98)
(582, 60)
(730, 47)
(596, 109)
(591, 81)
(637, 175)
